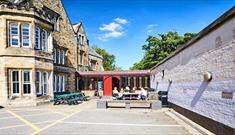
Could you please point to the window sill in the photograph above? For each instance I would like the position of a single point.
(60, 65)
(18, 95)
(14, 46)
(42, 51)
(27, 94)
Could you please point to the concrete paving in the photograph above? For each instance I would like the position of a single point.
(86, 119)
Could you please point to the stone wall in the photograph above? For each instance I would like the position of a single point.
(215, 53)
(99, 65)
(22, 58)
(65, 38)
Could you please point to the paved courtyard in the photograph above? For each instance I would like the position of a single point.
(86, 119)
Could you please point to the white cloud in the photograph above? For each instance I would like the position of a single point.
(113, 34)
(121, 21)
(113, 26)
(102, 38)
(149, 31)
(151, 28)
(113, 29)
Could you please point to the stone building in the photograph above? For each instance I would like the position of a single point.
(88, 58)
(38, 52)
(26, 51)
(95, 60)
(200, 76)
(82, 47)
(65, 49)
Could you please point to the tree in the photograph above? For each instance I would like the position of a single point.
(108, 59)
(158, 48)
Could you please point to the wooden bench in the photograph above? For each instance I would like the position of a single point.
(153, 104)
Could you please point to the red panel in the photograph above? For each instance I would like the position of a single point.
(107, 85)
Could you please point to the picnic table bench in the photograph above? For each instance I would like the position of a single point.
(153, 104)
(130, 96)
(71, 98)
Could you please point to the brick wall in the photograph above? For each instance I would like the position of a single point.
(188, 90)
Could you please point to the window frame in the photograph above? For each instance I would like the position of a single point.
(81, 58)
(39, 38)
(44, 40)
(11, 35)
(39, 83)
(22, 35)
(82, 42)
(59, 55)
(60, 82)
(55, 83)
(26, 83)
(79, 39)
(55, 56)
(12, 83)
(63, 57)
(45, 82)
(63, 83)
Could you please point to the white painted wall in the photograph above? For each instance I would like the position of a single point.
(186, 69)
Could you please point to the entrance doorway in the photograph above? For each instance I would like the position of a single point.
(115, 83)
(80, 85)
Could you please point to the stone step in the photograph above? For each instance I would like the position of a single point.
(21, 103)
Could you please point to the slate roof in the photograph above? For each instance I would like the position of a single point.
(77, 26)
(92, 52)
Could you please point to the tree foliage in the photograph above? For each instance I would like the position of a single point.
(108, 59)
(158, 48)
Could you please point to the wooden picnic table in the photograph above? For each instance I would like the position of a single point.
(72, 98)
(130, 96)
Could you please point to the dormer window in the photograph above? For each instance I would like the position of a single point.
(82, 42)
(79, 39)
(57, 24)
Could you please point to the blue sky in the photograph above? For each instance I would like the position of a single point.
(122, 26)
